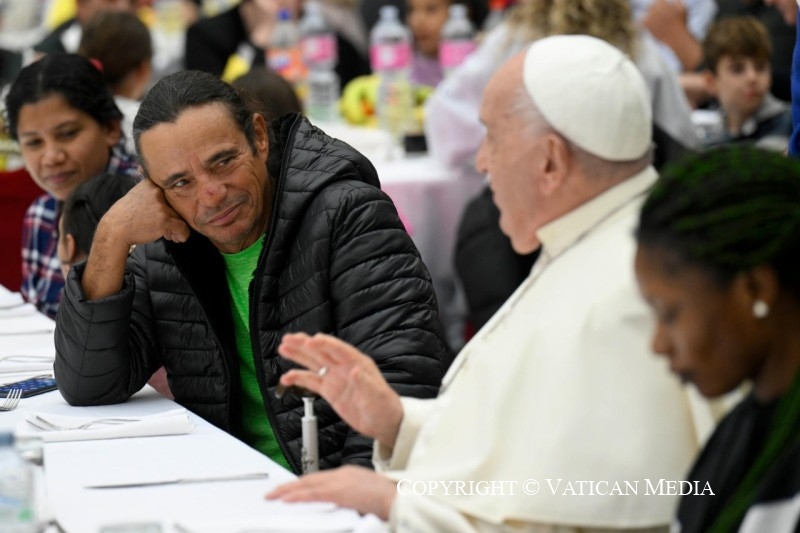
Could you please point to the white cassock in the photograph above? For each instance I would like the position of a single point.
(559, 385)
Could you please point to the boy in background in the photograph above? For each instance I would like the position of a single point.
(737, 55)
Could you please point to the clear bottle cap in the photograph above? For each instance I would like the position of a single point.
(388, 12)
(457, 11)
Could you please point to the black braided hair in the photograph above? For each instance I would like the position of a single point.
(728, 210)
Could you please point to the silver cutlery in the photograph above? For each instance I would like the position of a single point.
(12, 400)
(42, 423)
(26, 358)
(180, 481)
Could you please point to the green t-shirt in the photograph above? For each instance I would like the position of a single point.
(239, 269)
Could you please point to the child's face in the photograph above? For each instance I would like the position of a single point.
(741, 83)
(426, 18)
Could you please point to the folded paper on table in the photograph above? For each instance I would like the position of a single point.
(174, 422)
(18, 311)
(10, 300)
(22, 325)
(40, 345)
(13, 367)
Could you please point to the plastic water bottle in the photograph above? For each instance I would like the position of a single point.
(497, 14)
(458, 39)
(283, 54)
(390, 56)
(16, 490)
(318, 45)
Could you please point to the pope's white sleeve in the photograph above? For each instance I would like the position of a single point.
(415, 413)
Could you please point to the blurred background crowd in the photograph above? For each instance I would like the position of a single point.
(415, 71)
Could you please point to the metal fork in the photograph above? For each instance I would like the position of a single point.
(12, 400)
(46, 424)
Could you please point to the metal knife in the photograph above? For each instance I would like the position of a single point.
(180, 481)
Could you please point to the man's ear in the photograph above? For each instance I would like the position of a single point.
(556, 164)
(113, 133)
(260, 135)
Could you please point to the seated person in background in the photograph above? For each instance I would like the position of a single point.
(121, 43)
(82, 211)
(737, 52)
(425, 19)
(487, 266)
(77, 224)
(779, 18)
(63, 115)
(244, 231)
(454, 105)
(274, 95)
(67, 36)
(560, 384)
(718, 262)
(245, 30)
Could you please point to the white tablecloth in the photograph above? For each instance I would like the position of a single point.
(70, 467)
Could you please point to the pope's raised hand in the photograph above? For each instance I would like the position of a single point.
(349, 381)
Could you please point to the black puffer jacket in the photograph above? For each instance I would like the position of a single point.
(336, 259)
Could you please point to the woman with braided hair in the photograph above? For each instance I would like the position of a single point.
(719, 263)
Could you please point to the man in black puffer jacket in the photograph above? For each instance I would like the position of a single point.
(299, 214)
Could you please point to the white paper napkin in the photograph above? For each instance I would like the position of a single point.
(173, 422)
(22, 325)
(25, 368)
(17, 310)
(14, 364)
(10, 300)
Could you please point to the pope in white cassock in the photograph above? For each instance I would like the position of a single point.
(560, 386)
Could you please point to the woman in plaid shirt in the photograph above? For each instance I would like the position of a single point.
(63, 115)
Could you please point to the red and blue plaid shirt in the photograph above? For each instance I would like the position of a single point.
(42, 280)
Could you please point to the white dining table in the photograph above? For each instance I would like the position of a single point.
(69, 469)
